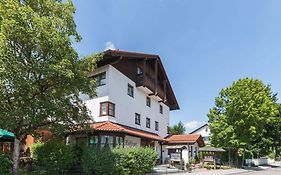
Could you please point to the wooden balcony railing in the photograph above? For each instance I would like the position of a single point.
(150, 84)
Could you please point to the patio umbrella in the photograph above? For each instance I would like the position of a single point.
(6, 136)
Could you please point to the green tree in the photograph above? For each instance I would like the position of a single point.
(41, 75)
(269, 140)
(177, 129)
(241, 114)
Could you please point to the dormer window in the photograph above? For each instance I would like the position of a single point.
(139, 71)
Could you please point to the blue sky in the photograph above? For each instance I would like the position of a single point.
(204, 45)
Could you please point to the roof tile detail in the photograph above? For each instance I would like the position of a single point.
(114, 127)
(187, 138)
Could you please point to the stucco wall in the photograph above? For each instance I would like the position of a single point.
(126, 106)
(205, 132)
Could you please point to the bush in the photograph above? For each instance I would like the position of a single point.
(192, 160)
(5, 164)
(188, 167)
(52, 156)
(98, 161)
(135, 160)
(119, 161)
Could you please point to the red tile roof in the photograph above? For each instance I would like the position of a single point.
(107, 126)
(114, 127)
(187, 138)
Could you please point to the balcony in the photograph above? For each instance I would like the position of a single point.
(147, 84)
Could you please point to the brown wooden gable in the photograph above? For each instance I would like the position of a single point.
(154, 76)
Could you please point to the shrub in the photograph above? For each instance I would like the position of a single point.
(52, 156)
(98, 161)
(135, 160)
(188, 167)
(119, 161)
(5, 164)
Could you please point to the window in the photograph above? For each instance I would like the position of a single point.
(111, 109)
(206, 129)
(102, 140)
(148, 101)
(206, 138)
(161, 109)
(139, 70)
(93, 140)
(107, 140)
(103, 110)
(119, 141)
(100, 79)
(107, 108)
(156, 125)
(137, 118)
(130, 90)
(148, 122)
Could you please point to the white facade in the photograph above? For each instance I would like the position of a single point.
(205, 133)
(115, 91)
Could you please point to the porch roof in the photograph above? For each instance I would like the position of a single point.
(185, 138)
(114, 127)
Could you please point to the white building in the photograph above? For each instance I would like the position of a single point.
(187, 145)
(205, 132)
(134, 98)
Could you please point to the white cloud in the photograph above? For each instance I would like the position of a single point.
(109, 45)
(192, 124)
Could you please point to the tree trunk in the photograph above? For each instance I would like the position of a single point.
(242, 164)
(277, 152)
(16, 156)
(237, 158)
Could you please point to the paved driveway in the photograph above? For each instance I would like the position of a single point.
(270, 171)
(274, 170)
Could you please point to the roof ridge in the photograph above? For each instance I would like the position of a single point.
(116, 125)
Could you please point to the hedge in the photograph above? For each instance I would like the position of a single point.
(119, 161)
(53, 156)
(134, 161)
(5, 164)
(97, 161)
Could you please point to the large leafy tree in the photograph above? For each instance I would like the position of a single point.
(269, 140)
(177, 129)
(41, 75)
(242, 114)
